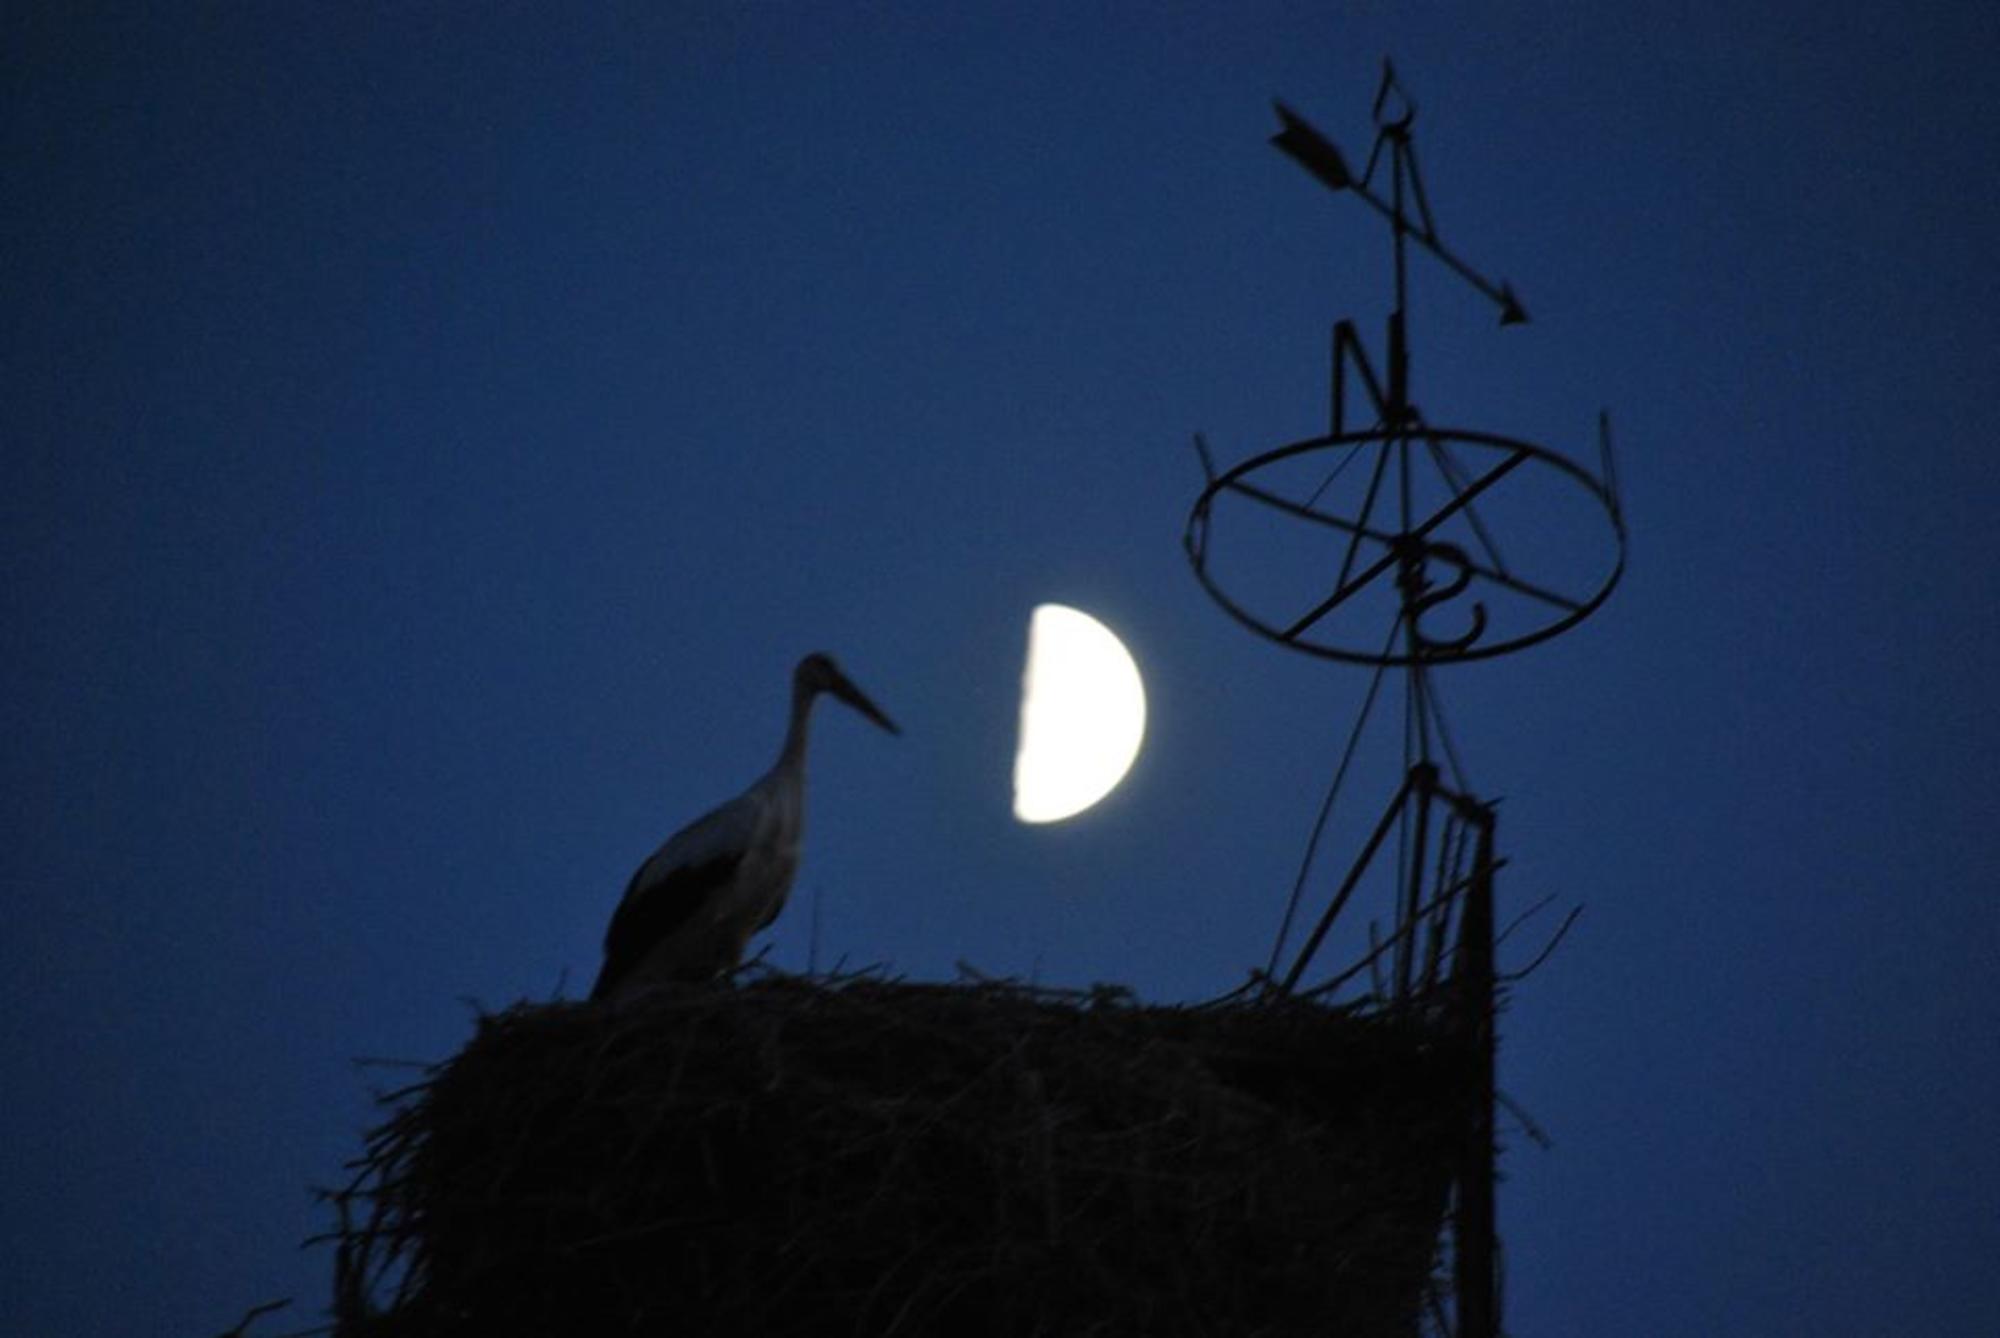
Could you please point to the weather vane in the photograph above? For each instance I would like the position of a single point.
(1445, 480)
(1393, 542)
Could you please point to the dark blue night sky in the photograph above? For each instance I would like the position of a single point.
(427, 443)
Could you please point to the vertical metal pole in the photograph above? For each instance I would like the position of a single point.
(1399, 139)
(1337, 411)
(1423, 784)
(1473, 1232)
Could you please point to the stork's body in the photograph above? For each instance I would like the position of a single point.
(692, 907)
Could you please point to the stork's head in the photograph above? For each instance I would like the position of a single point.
(818, 673)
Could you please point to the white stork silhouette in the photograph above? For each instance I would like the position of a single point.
(691, 908)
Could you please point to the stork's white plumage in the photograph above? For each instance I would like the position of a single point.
(691, 907)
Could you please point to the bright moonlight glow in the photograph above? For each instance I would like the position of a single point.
(1083, 712)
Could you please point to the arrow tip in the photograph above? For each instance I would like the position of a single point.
(1511, 310)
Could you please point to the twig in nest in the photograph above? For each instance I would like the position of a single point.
(251, 1316)
(1514, 977)
(1522, 919)
(797, 1156)
(1528, 1126)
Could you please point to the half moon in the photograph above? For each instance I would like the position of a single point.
(1083, 715)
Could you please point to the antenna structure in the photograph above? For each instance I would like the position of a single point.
(1399, 544)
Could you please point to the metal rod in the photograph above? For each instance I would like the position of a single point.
(1458, 775)
(1420, 686)
(1451, 858)
(1331, 475)
(1367, 510)
(1448, 467)
(1347, 344)
(1207, 460)
(1424, 775)
(1473, 1230)
(1512, 312)
(1326, 808)
(1398, 141)
(1609, 464)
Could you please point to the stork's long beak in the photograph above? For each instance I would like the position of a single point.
(854, 697)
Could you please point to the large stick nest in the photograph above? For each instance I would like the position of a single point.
(869, 1157)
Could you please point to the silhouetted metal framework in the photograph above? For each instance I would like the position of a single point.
(1417, 535)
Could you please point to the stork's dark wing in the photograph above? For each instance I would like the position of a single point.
(647, 916)
(672, 886)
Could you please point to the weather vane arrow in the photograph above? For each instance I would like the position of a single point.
(1307, 147)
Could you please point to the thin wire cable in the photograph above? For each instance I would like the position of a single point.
(1440, 916)
(1333, 474)
(1448, 466)
(1420, 688)
(1326, 805)
(1450, 749)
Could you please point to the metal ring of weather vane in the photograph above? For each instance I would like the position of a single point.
(1402, 554)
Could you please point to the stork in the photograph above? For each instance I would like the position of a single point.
(690, 909)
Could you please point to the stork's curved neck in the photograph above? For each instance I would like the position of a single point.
(794, 754)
